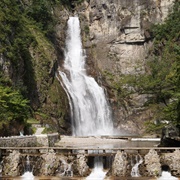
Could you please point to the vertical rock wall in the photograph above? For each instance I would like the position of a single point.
(117, 36)
(120, 31)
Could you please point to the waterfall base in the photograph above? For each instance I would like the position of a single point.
(28, 175)
(97, 174)
(167, 176)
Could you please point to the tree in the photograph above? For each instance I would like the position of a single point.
(13, 106)
(163, 68)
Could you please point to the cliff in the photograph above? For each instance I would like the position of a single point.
(30, 55)
(117, 38)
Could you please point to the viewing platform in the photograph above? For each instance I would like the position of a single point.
(94, 146)
(37, 151)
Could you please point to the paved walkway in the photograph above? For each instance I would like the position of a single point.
(103, 142)
(39, 130)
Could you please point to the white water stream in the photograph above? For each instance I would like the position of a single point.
(90, 111)
(97, 172)
(28, 170)
(135, 168)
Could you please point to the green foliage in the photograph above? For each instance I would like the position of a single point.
(153, 127)
(48, 130)
(19, 25)
(15, 39)
(12, 106)
(41, 13)
(163, 78)
(121, 86)
(79, 1)
(32, 121)
(86, 29)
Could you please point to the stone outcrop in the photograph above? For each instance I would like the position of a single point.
(29, 141)
(50, 163)
(120, 30)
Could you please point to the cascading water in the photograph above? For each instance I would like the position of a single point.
(27, 164)
(90, 111)
(97, 173)
(28, 170)
(91, 114)
(1, 168)
(135, 168)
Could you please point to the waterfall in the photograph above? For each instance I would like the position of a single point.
(90, 112)
(27, 165)
(1, 168)
(28, 176)
(135, 168)
(28, 170)
(97, 172)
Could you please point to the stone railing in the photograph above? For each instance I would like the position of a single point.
(29, 141)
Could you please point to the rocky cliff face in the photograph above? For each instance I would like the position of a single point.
(120, 31)
(117, 36)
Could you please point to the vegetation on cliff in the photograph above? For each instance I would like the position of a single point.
(27, 58)
(161, 80)
(163, 70)
(14, 109)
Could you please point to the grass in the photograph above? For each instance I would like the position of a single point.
(32, 121)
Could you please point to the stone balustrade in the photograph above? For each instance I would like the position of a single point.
(29, 141)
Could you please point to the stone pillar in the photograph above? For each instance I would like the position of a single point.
(119, 166)
(152, 162)
(82, 167)
(50, 163)
(10, 164)
(173, 161)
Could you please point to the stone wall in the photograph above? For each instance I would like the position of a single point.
(49, 163)
(148, 165)
(29, 141)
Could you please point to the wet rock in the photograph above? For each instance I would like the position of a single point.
(65, 168)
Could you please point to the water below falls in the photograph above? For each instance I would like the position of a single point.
(97, 172)
(27, 175)
(90, 111)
